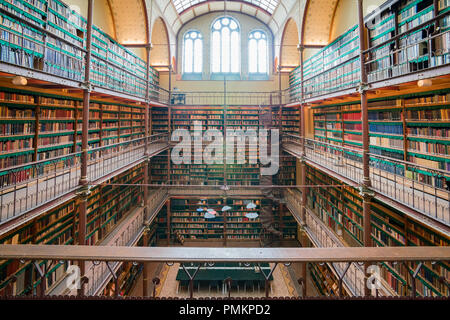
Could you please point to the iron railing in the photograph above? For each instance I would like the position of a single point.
(390, 177)
(197, 258)
(220, 98)
(26, 187)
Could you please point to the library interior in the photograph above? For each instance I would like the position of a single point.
(216, 149)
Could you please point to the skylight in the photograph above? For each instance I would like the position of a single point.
(268, 5)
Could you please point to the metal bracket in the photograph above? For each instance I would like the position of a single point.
(84, 191)
(87, 86)
(191, 278)
(363, 87)
(365, 192)
(267, 276)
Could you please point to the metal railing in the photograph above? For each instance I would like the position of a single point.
(207, 257)
(322, 237)
(220, 98)
(390, 177)
(26, 187)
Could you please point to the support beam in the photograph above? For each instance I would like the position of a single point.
(186, 254)
(365, 184)
(84, 182)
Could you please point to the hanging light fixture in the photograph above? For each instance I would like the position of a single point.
(226, 208)
(252, 215)
(19, 81)
(424, 83)
(251, 205)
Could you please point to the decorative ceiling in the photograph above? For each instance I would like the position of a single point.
(314, 20)
(268, 5)
(271, 12)
(318, 21)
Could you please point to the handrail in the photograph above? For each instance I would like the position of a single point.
(28, 164)
(174, 254)
(409, 164)
(406, 163)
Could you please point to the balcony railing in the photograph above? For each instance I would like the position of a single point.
(229, 98)
(390, 177)
(29, 186)
(207, 257)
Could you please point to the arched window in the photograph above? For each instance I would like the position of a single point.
(257, 52)
(193, 52)
(225, 46)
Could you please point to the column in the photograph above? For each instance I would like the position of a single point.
(365, 184)
(302, 160)
(84, 191)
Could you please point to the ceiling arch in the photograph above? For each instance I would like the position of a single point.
(160, 55)
(289, 41)
(322, 11)
(130, 21)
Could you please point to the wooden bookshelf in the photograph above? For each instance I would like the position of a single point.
(340, 208)
(58, 50)
(336, 67)
(37, 126)
(412, 128)
(232, 225)
(106, 207)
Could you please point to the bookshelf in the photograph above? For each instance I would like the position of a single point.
(340, 208)
(231, 119)
(324, 279)
(412, 128)
(336, 67)
(38, 126)
(59, 226)
(47, 36)
(233, 225)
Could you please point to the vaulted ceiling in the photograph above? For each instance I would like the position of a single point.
(133, 19)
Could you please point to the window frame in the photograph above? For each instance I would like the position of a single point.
(264, 74)
(219, 75)
(183, 51)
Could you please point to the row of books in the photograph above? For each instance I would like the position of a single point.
(387, 142)
(11, 129)
(386, 115)
(428, 132)
(16, 114)
(429, 147)
(435, 114)
(60, 58)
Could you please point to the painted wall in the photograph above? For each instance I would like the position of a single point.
(102, 14)
(347, 15)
